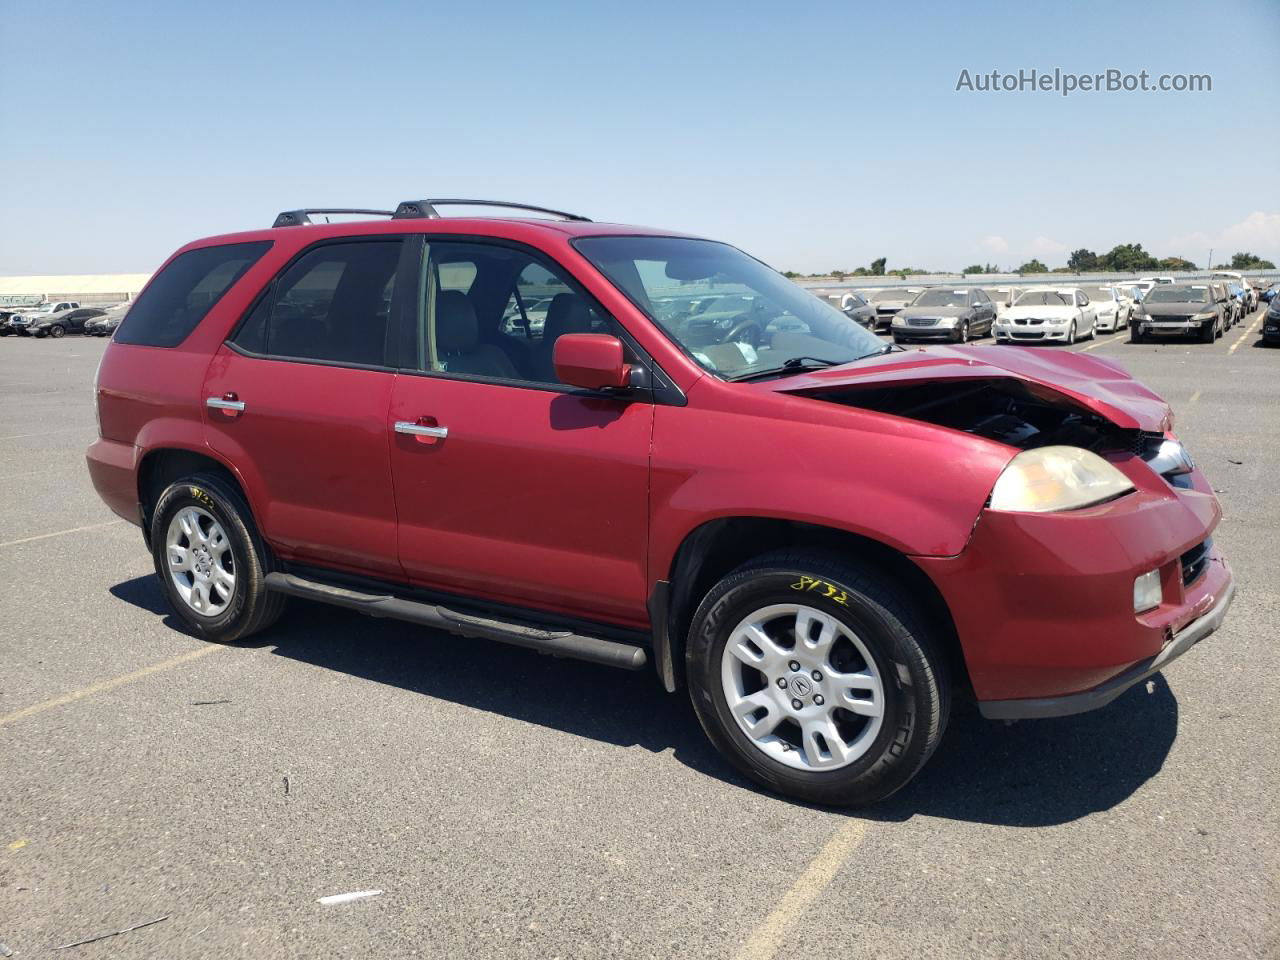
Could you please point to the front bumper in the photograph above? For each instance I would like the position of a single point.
(1043, 603)
(1101, 695)
(907, 332)
(1029, 333)
(1172, 328)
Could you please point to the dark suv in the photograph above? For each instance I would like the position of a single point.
(684, 460)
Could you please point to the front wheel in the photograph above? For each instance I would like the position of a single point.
(1071, 333)
(210, 560)
(963, 335)
(1209, 332)
(817, 677)
(57, 332)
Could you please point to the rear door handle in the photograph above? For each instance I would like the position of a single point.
(228, 402)
(420, 430)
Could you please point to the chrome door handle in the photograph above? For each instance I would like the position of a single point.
(217, 403)
(420, 430)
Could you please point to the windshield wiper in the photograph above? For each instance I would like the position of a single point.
(793, 365)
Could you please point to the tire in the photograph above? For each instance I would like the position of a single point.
(1071, 334)
(248, 607)
(897, 647)
(962, 336)
(57, 332)
(898, 339)
(1209, 332)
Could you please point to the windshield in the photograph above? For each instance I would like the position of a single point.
(1165, 294)
(942, 298)
(1044, 298)
(748, 319)
(1098, 293)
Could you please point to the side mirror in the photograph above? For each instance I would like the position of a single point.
(593, 361)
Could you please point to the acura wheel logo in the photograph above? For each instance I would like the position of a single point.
(800, 686)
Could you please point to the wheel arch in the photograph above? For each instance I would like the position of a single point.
(713, 549)
(161, 466)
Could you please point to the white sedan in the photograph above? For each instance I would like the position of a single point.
(1113, 309)
(1056, 314)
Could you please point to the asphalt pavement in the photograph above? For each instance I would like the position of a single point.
(509, 805)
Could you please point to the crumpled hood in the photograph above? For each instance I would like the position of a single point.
(1099, 385)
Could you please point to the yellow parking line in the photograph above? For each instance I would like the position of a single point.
(103, 685)
(59, 533)
(1095, 346)
(1195, 396)
(765, 940)
(1244, 336)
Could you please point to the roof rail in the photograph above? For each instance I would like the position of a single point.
(418, 209)
(300, 218)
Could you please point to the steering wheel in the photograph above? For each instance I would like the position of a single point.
(744, 324)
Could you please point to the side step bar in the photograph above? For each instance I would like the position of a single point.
(561, 643)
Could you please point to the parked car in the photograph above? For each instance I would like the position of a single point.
(1271, 322)
(1268, 294)
(856, 307)
(888, 302)
(1243, 297)
(945, 313)
(821, 538)
(1144, 286)
(1002, 297)
(1250, 299)
(1130, 296)
(68, 321)
(1232, 310)
(1155, 281)
(1044, 315)
(5, 317)
(1182, 309)
(27, 319)
(1112, 310)
(105, 325)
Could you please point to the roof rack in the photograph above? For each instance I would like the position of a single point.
(300, 218)
(419, 209)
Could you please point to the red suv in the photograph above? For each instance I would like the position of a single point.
(633, 447)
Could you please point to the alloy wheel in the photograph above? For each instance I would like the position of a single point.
(802, 687)
(200, 561)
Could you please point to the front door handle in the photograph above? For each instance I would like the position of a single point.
(227, 401)
(421, 430)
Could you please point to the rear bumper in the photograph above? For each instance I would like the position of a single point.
(1101, 695)
(113, 470)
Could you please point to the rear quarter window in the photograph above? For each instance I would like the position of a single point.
(180, 295)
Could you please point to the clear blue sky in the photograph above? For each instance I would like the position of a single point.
(815, 135)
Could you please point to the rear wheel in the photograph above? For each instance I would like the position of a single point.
(210, 560)
(57, 332)
(816, 677)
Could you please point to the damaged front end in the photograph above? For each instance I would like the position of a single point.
(1019, 413)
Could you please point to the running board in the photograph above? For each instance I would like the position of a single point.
(560, 643)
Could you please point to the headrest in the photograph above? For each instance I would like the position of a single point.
(457, 330)
(567, 314)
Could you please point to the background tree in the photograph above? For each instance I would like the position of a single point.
(1033, 266)
(1247, 261)
(1176, 264)
(1127, 257)
(877, 267)
(1083, 261)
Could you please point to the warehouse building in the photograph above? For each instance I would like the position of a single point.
(88, 289)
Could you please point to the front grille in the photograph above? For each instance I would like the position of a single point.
(887, 310)
(922, 321)
(1170, 319)
(1019, 335)
(1028, 321)
(1194, 562)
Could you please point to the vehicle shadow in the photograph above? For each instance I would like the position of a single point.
(1036, 773)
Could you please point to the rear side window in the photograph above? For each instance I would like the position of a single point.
(333, 304)
(182, 293)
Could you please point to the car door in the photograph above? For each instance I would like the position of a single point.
(984, 311)
(510, 486)
(1088, 313)
(298, 399)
